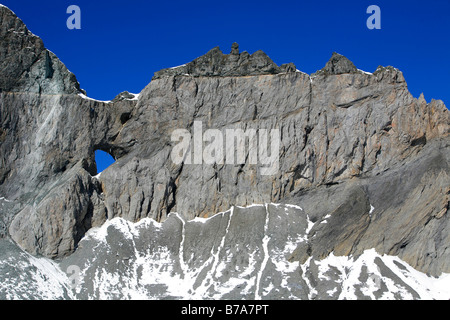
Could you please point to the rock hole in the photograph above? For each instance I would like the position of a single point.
(419, 141)
(103, 160)
(125, 117)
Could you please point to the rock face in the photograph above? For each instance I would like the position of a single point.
(365, 160)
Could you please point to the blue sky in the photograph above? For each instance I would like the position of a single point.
(122, 43)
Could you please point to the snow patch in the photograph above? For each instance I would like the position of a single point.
(183, 65)
(299, 71)
(325, 219)
(135, 97)
(365, 72)
(3, 6)
(293, 206)
(97, 176)
(310, 225)
(4, 199)
(251, 206)
(350, 282)
(265, 242)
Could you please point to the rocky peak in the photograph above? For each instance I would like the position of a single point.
(338, 64)
(125, 95)
(217, 64)
(235, 49)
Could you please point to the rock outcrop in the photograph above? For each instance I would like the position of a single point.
(366, 160)
(217, 64)
(338, 64)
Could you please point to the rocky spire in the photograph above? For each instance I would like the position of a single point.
(338, 64)
(217, 64)
(235, 49)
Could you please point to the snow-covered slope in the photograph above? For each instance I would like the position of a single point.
(242, 253)
(23, 276)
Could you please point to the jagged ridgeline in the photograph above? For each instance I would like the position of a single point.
(361, 180)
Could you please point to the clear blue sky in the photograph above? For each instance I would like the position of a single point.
(122, 43)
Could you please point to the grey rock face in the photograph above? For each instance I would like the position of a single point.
(56, 235)
(367, 161)
(389, 212)
(48, 167)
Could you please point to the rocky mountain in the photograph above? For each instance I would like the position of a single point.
(352, 203)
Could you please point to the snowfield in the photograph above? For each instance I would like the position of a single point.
(211, 258)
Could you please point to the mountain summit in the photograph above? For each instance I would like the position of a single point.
(217, 64)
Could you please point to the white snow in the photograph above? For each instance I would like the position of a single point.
(299, 71)
(87, 98)
(204, 220)
(183, 264)
(97, 176)
(293, 206)
(310, 225)
(201, 220)
(365, 72)
(350, 271)
(136, 96)
(3, 6)
(38, 277)
(183, 65)
(50, 279)
(4, 199)
(312, 290)
(265, 242)
(251, 206)
(325, 218)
